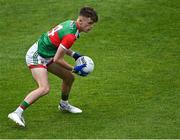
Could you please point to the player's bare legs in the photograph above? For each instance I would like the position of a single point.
(68, 79)
(41, 77)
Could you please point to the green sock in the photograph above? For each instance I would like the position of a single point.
(24, 105)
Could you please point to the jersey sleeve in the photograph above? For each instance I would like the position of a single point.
(68, 40)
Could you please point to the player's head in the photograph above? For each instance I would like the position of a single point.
(87, 18)
(89, 13)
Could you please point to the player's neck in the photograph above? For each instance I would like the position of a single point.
(78, 26)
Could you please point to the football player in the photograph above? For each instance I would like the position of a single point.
(47, 55)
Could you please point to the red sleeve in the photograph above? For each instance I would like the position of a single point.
(68, 40)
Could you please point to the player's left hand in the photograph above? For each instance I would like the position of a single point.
(76, 55)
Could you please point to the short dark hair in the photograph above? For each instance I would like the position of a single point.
(89, 12)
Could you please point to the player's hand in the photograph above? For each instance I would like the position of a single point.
(83, 73)
(76, 55)
(78, 70)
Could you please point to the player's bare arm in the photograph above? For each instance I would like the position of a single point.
(59, 58)
(70, 52)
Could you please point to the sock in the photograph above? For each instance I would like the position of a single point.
(64, 97)
(19, 111)
(63, 102)
(22, 107)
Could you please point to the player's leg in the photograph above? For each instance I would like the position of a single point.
(41, 77)
(65, 75)
(37, 65)
(68, 79)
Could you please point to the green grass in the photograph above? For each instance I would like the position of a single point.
(134, 90)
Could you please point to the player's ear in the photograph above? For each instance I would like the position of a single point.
(80, 18)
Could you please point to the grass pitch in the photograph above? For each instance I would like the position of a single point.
(134, 90)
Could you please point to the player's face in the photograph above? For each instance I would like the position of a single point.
(86, 24)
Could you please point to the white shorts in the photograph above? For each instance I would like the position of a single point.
(34, 60)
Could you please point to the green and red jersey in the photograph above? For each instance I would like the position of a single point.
(63, 35)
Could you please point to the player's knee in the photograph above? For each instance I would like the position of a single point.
(70, 79)
(45, 90)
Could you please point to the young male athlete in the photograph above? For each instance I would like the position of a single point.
(47, 54)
